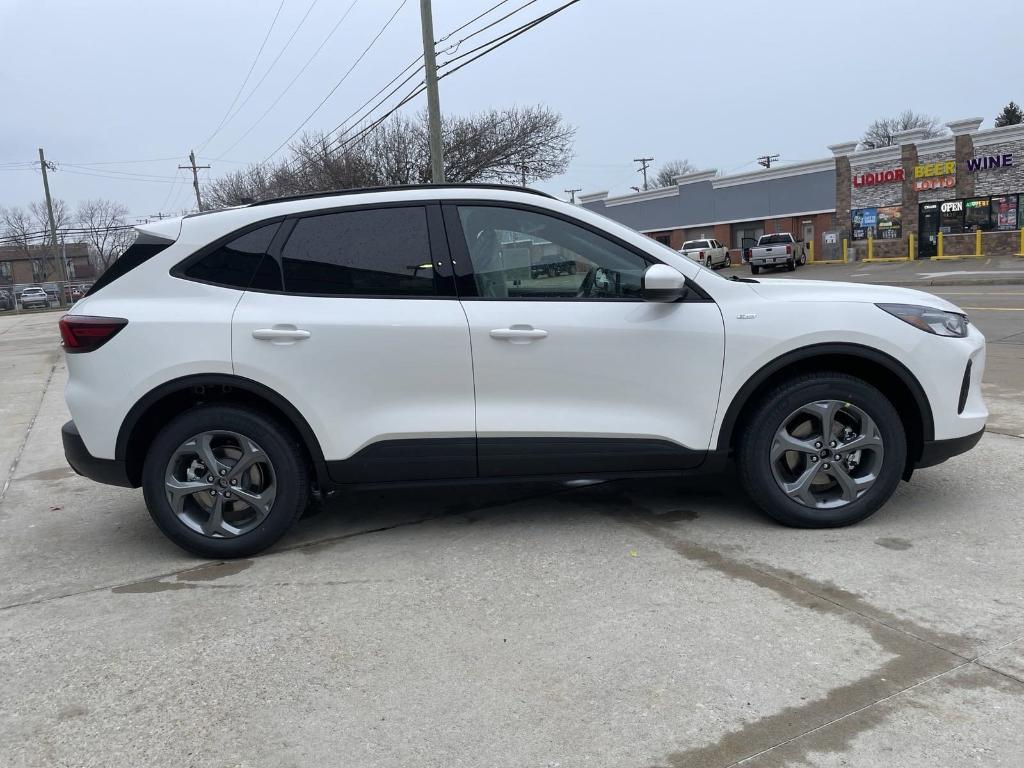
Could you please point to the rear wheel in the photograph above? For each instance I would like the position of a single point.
(224, 481)
(791, 265)
(822, 451)
(754, 270)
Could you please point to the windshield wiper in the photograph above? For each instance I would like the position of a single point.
(738, 279)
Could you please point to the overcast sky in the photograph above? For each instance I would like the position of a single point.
(98, 81)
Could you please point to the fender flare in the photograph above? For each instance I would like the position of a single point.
(891, 364)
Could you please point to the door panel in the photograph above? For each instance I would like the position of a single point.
(577, 373)
(631, 370)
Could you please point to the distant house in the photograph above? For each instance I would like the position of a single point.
(19, 266)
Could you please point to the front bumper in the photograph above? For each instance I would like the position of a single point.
(937, 451)
(107, 471)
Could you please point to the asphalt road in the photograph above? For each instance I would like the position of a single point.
(621, 624)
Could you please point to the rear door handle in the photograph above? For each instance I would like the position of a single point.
(280, 333)
(519, 334)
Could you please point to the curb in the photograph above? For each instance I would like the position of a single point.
(938, 281)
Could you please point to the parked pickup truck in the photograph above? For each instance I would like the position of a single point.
(778, 250)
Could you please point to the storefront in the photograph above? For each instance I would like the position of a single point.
(890, 201)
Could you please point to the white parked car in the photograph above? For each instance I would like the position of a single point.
(234, 363)
(34, 298)
(709, 252)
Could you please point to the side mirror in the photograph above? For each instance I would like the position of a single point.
(663, 284)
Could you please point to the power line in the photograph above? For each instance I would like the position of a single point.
(342, 80)
(246, 80)
(475, 18)
(502, 40)
(455, 46)
(344, 122)
(767, 160)
(167, 180)
(277, 58)
(644, 164)
(65, 166)
(291, 83)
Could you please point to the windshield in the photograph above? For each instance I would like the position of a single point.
(775, 240)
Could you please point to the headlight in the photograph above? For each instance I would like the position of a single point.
(930, 320)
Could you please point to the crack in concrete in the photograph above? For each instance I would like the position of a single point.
(28, 432)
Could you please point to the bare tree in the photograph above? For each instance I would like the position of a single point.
(29, 231)
(667, 173)
(495, 146)
(105, 230)
(882, 132)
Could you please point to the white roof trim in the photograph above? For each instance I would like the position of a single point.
(592, 197)
(999, 135)
(650, 194)
(938, 144)
(781, 172)
(736, 221)
(876, 155)
(966, 125)
(695, 176)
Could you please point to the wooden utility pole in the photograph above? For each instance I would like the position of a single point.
(433, 101)
(195, 175)
(63, 270)
(767, 160)
(572, 194)
(644, 164)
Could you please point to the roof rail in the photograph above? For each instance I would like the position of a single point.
(399, 187)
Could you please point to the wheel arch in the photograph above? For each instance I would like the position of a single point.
(877, 368)
(153, 409)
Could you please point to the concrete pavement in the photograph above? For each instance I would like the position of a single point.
(621, 624)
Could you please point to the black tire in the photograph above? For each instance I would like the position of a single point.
(728, 260)
(791, 265)
(572, 267)
(759, 434)
(754, 270)
(282, 450)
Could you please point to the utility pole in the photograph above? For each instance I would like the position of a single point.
(572, 194)
(433, 102)
(644, 163)
(195, 175)
(63, 272)
(523, 169)
(767, 160)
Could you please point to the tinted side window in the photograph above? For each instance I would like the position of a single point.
(234, 264)
(377, 252)
(142, 250)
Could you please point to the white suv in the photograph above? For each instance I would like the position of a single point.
(236, 363)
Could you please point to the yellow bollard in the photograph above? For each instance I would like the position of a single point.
(845, 259)
(939, 254)
(810, 248)
(910, 247)
(977, 242)
(871, 248)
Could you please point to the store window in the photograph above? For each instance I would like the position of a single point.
(951, 217)
(977, 215)
(863, 223)
(1004, 212)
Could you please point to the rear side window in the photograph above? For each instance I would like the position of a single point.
(142, 250)
(236, 263)
(377, 252)
(695, 244)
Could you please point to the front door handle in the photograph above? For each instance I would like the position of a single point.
(519, 334)
(280, 333)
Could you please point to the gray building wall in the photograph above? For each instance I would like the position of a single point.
(701, 203)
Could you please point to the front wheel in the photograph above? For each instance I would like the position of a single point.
(224, 481)
(728, 260)
(823, 450)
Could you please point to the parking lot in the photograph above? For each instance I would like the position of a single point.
(617, 624)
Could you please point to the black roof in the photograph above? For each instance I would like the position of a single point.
(398, 187)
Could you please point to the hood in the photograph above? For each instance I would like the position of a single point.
(828, 291)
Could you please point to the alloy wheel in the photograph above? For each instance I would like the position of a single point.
(826, 454)
(220, 484)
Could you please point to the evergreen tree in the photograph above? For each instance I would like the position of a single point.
(1011, 115)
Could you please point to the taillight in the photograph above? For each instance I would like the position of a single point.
(702, 255)
(789, 249)
(84, 333)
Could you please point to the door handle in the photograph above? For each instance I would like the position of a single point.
(279, 333)
(519, 334)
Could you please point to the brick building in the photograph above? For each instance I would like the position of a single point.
(964, 182)
(36, 265)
